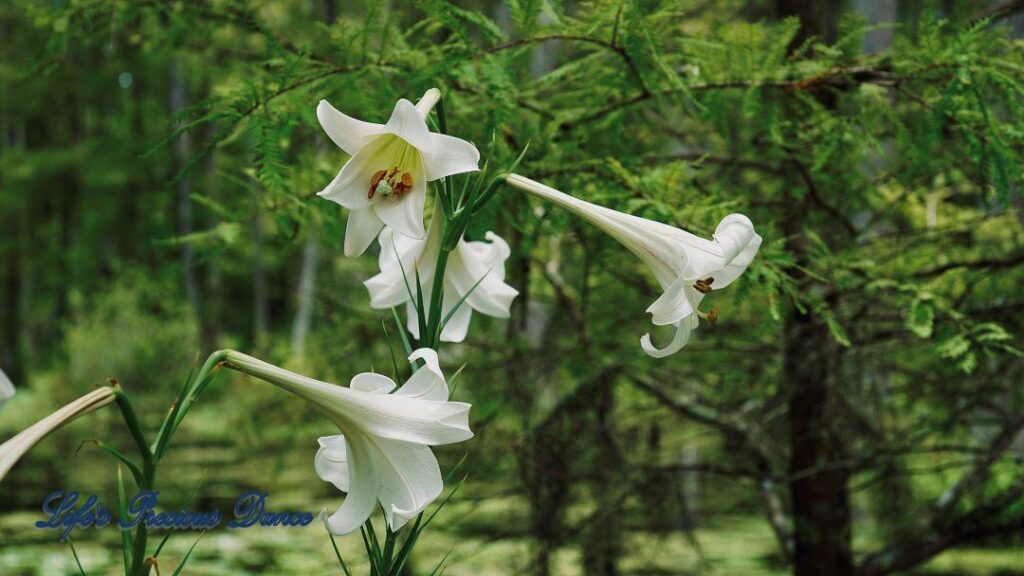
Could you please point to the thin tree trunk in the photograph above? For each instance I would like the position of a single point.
(304, 297)
(182, 150)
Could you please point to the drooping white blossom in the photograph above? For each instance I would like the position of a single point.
(687, 266)
(474, 275)
(385, 180)
(383, 452)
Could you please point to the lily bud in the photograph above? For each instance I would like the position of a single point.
(12, 450)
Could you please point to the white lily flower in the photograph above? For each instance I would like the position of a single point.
(687, 266)
(6, 389)
(385, 180)
(12, 450)
(475, 272)
(383, 452)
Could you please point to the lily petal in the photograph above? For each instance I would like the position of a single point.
(331, 462)
(409, 477)
(679, 339)
(363, 489)
(410, 125)
(674, 304)
(736, 234)
(457, 328)
(450, 155)
(428, 382)
(345, 131)
(350, 188)
(363, 226)
(478, 273)
(412, 320)
(372, 382)
(397, 277)
(405, 215)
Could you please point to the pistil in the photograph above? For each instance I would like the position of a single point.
(711, 315)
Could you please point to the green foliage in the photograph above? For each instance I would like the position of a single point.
(135, 332)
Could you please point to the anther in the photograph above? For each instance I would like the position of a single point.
(704, 286)
(377, 177)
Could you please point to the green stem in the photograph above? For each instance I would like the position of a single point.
(151, 454)
(138, 566)
(187, 399)
(433, 336)
(132, 421)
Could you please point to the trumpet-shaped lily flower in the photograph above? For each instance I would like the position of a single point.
(474, 276)
(383, 452)
(6, 389)
(687, 266)
(12, 450)
(385, 180)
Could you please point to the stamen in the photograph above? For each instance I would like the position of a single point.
(374, 181)
(390, 183)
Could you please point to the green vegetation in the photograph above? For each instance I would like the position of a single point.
(857, 408)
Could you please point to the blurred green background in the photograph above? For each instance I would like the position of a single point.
(856, 410)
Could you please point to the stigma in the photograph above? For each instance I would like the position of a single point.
(711, 316)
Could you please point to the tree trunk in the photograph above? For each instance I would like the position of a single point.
(603, 545)
(11, 341)
(818, 19)
(819, 488)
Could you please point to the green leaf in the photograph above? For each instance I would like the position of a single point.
(135, 470)
(188, 500)
(122, 514)
(337, 553)
(188, 555)
(74, 553)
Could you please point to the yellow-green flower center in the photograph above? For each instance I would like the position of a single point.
(394, 180)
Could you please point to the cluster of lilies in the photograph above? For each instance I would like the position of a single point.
(382, 453)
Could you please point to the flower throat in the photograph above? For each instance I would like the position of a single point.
(396, 181)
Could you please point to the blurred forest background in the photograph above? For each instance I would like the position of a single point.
(858, 408)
